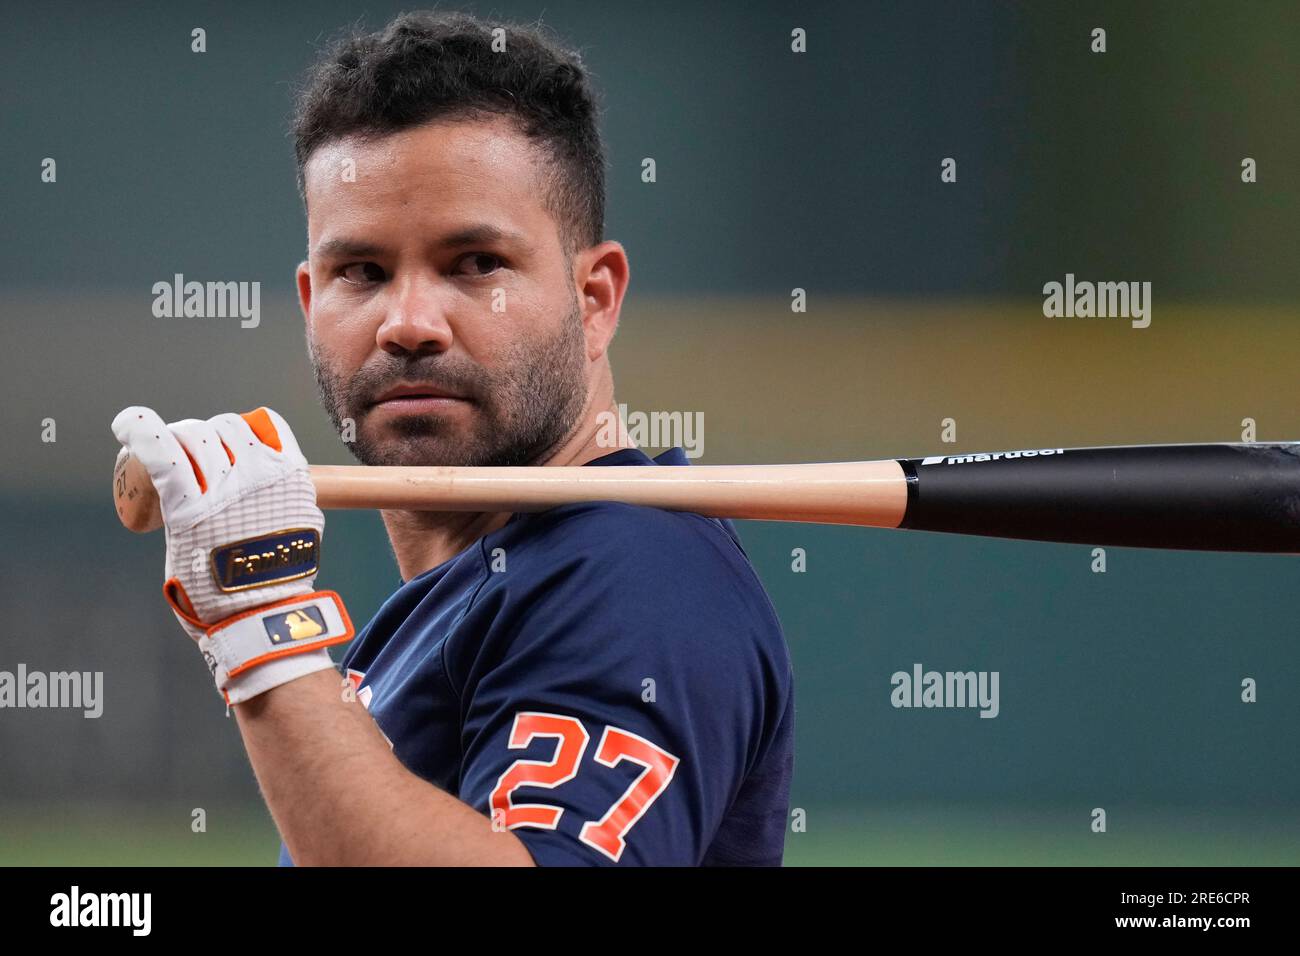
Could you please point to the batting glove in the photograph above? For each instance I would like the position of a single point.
(243, 544)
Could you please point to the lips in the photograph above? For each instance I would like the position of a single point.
(414, 392)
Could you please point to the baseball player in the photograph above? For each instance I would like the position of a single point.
(595, 684)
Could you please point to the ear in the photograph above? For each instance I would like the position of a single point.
(303, 278)
(601, 274)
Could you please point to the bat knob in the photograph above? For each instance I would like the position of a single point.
(134, 495)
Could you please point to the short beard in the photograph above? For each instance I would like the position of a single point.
(521, 412)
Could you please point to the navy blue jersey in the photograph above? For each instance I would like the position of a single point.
(610, 682)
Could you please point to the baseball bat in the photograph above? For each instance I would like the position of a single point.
(1210, 497)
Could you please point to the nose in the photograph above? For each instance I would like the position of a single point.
(416, 321)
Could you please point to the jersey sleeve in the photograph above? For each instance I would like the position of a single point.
(632, 675)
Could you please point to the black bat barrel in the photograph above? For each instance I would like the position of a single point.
(1210, 497)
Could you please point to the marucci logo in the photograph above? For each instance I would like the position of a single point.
(102, 909)
(991, 456)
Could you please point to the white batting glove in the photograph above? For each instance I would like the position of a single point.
(243, 544)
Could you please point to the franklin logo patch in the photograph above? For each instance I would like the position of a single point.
(294, 625)
(267, 559)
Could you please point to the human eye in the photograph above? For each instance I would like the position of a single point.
(361, 273)
(480, 264)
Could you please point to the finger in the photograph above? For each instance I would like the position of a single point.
(148, 439)
(240, 438)
(207, 455)
(273, 431)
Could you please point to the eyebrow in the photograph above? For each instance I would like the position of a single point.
(477, 234)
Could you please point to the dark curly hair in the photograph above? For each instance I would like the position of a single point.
(425, 65)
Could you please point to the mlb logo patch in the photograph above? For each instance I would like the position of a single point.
(295, 625)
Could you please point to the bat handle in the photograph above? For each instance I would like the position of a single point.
(134, 495)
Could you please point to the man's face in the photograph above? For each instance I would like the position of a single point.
(439, 273)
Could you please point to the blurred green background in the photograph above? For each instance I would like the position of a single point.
(776, 171)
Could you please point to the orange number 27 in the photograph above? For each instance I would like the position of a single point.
(608, 834)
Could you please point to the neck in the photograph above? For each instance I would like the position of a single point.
(425, 539)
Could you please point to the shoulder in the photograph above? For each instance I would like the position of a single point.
(649, 569)
(596, 606)
(636, 546)
(616, 523)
